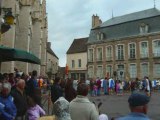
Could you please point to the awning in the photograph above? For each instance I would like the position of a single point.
(12, 54)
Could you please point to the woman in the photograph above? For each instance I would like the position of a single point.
(70, 92)
(7, 108)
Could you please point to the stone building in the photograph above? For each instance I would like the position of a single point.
(52, 62)
(125, 47)
(77, 59)
(29, 33)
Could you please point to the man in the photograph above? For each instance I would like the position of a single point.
(138, 106)
(147, 89)
(56, 90)
(105, 86)
(80, 107)
(32, 89)
(20, 100)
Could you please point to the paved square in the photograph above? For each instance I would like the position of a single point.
(115, 106)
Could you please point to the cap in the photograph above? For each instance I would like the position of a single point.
(138, 99)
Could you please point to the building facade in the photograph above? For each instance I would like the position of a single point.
(126, 47)
(77, 59)
(29, 33)
(52, 62)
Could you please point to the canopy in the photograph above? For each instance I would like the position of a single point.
(12, 54)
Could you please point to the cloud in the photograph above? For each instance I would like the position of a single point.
(70, 19)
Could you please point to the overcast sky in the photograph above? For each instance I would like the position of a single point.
(70, 19)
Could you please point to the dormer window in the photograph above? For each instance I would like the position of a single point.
(100, 36)
(143, 28)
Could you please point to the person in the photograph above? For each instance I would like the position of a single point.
(32, 89)
(34, 110)
(81, 108)
(70, 92)
(61, 109)
(20, 99)
(56, 90)
(99, 87)
(7, 107)
(138, 104)
(147, 89)
(105, 86)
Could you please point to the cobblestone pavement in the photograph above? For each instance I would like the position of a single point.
(115, 106)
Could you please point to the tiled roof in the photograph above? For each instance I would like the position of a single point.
(49, 50)
(79, 45)
(127, 26)
(131, 17)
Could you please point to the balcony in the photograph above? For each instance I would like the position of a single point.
(157, 54)
(119, 57)
(109, 58)
(144, 55)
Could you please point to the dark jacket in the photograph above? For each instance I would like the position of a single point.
(20, 101)
(56, 92)
(70, 93)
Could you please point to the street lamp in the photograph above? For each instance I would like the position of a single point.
(8, 17)
(8, 20)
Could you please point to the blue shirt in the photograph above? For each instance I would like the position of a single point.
(134, 116)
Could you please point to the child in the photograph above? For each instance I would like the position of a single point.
(95, 88)
(34, 111)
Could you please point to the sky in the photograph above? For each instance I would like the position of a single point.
(71, 19)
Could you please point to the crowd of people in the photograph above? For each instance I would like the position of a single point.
(108, 86)
(20, 97)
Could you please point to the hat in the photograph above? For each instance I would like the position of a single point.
(137, 99)
(103, 117)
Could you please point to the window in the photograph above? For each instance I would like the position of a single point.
(143, 28)
(120, 52)
(109, 71)
(144, 49)
(90, 72)
(99, 54)
(156, 48)
(133, 71)
(99, 71)
(90, 55)
(100, 36)
(156, 70)
(132, 50)
(79, 62)
(73, 64)
(144, 69)
(109, 53)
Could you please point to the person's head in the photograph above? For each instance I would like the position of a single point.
(82, 89)
(34, 73)
(138, 103)
(6, 77)
(31, 101)
(61, 109)
(11, 76)
(6, 88)
(57, 80)
(20, 84)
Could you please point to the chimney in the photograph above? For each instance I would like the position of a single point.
(96, 21)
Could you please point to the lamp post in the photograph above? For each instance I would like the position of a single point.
(8, 20)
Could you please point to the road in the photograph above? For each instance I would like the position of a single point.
(115, 106)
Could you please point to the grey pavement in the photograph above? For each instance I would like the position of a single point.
(116, 106)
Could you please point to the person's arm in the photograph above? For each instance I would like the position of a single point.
(6, 116)
(94, 113)
(41, 111)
